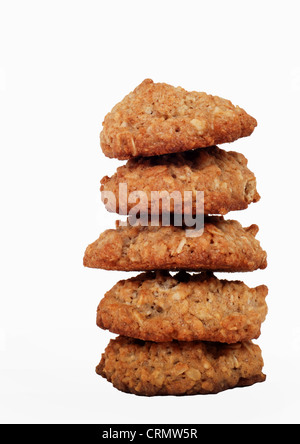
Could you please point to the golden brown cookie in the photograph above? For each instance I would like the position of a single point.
(157, 118)
(180, 368)
(227, 183)
(161, 308)
(224, 246)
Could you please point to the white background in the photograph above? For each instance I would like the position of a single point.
(63, 65)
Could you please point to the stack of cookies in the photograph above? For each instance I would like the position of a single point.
(182, 330)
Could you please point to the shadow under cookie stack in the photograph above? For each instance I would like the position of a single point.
(183, 331)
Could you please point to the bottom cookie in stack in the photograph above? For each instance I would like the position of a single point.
(179, 368)
(165, 323)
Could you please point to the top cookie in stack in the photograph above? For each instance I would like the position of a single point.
(157, 118)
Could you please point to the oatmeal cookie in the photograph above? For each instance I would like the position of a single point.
(161, 308)
(224, 246)
(157, 118)
(227, 183)
(180, 368)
